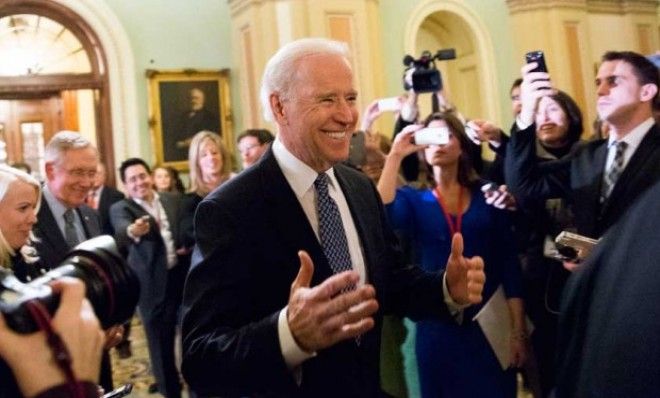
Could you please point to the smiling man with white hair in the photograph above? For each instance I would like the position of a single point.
(295, 264)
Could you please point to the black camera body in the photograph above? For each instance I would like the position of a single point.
(112, 287)
(421, 74)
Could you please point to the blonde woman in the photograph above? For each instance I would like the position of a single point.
(210, 166)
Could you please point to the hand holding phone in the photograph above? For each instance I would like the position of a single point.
(538, 57)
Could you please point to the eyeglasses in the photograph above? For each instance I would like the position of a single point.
(81, 173)
(248, 148)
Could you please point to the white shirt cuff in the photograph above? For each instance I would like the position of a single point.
(455, 309)
(293, 355)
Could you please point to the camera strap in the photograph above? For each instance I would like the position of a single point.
(57, 346)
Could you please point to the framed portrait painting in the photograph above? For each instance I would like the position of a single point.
(183, 103)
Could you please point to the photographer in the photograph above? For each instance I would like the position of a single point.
(32, 360)
(19, 201)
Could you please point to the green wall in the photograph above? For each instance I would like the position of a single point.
(175, 34)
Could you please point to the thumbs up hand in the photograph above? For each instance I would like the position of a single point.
(330, 312)
(465, 276)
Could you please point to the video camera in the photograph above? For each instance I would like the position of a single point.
(421, 74)
(112, 288)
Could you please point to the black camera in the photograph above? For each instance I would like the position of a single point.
(421, 74)
(112, 288)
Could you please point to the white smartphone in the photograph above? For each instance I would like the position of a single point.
(389, 104)
(432, 136)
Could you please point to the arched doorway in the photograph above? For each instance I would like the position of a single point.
(469, 80)
(57, 79)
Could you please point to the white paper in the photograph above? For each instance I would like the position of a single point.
(495, 321)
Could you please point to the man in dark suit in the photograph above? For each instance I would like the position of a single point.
(146, 228)
(101, 197)
(64, 220)
(609, 340)
(247, 329)
(604, 177)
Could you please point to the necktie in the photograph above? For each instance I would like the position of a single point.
(331, 228)
(614, 171)
(70, 234)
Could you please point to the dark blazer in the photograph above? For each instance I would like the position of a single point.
(51, 246)
(109, 196)
(609, 330)
(148, 258)
(248, 233)
(578, 177)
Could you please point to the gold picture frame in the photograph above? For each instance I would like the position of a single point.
(182, 103)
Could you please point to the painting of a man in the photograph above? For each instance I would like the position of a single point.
(187, 108)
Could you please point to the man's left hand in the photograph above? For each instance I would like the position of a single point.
(465, 276)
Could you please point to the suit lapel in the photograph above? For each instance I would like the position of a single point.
(640, 160)
(289, 218)
(49, 231)
(90, 223)
(360, 211)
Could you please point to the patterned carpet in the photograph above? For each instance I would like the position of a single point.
(134, 369)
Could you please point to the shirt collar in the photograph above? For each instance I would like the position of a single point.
(635, 136)
(298, 174)
(143, 203)
(56, 206)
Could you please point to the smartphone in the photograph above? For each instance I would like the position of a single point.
(431, 136)
(391, 104)
(357, 156)
(538, 57)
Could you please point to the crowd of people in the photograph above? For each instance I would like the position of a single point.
(286, 278)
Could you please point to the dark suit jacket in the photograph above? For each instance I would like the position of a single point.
(578, 177)
(109, 196)
(609, 340)
(51, 246)
(148, 257)
(248, 233)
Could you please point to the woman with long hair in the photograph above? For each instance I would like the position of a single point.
(455, 359)
(166, 179)
(210, 166)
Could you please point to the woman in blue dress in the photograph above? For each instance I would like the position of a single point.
(454, 359)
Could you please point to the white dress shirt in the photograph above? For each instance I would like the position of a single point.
(156, 210)
(58, 209)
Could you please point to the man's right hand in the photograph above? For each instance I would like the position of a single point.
(330, 312)
(140, 227)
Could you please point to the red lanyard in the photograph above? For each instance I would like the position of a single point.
(453, 227)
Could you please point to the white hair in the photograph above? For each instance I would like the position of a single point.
(62, 142)
(7, 176)
(280, 68)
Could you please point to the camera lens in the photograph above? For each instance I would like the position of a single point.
(112, 288)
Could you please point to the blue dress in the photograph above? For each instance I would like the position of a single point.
(456, 360)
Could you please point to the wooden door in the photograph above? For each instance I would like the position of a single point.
(21, 116)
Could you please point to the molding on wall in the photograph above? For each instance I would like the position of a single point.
(238, 6)
(592, 6)
(121, 73)
(516, 6)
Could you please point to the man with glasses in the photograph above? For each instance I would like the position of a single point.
(64, 220)
(252, 144)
